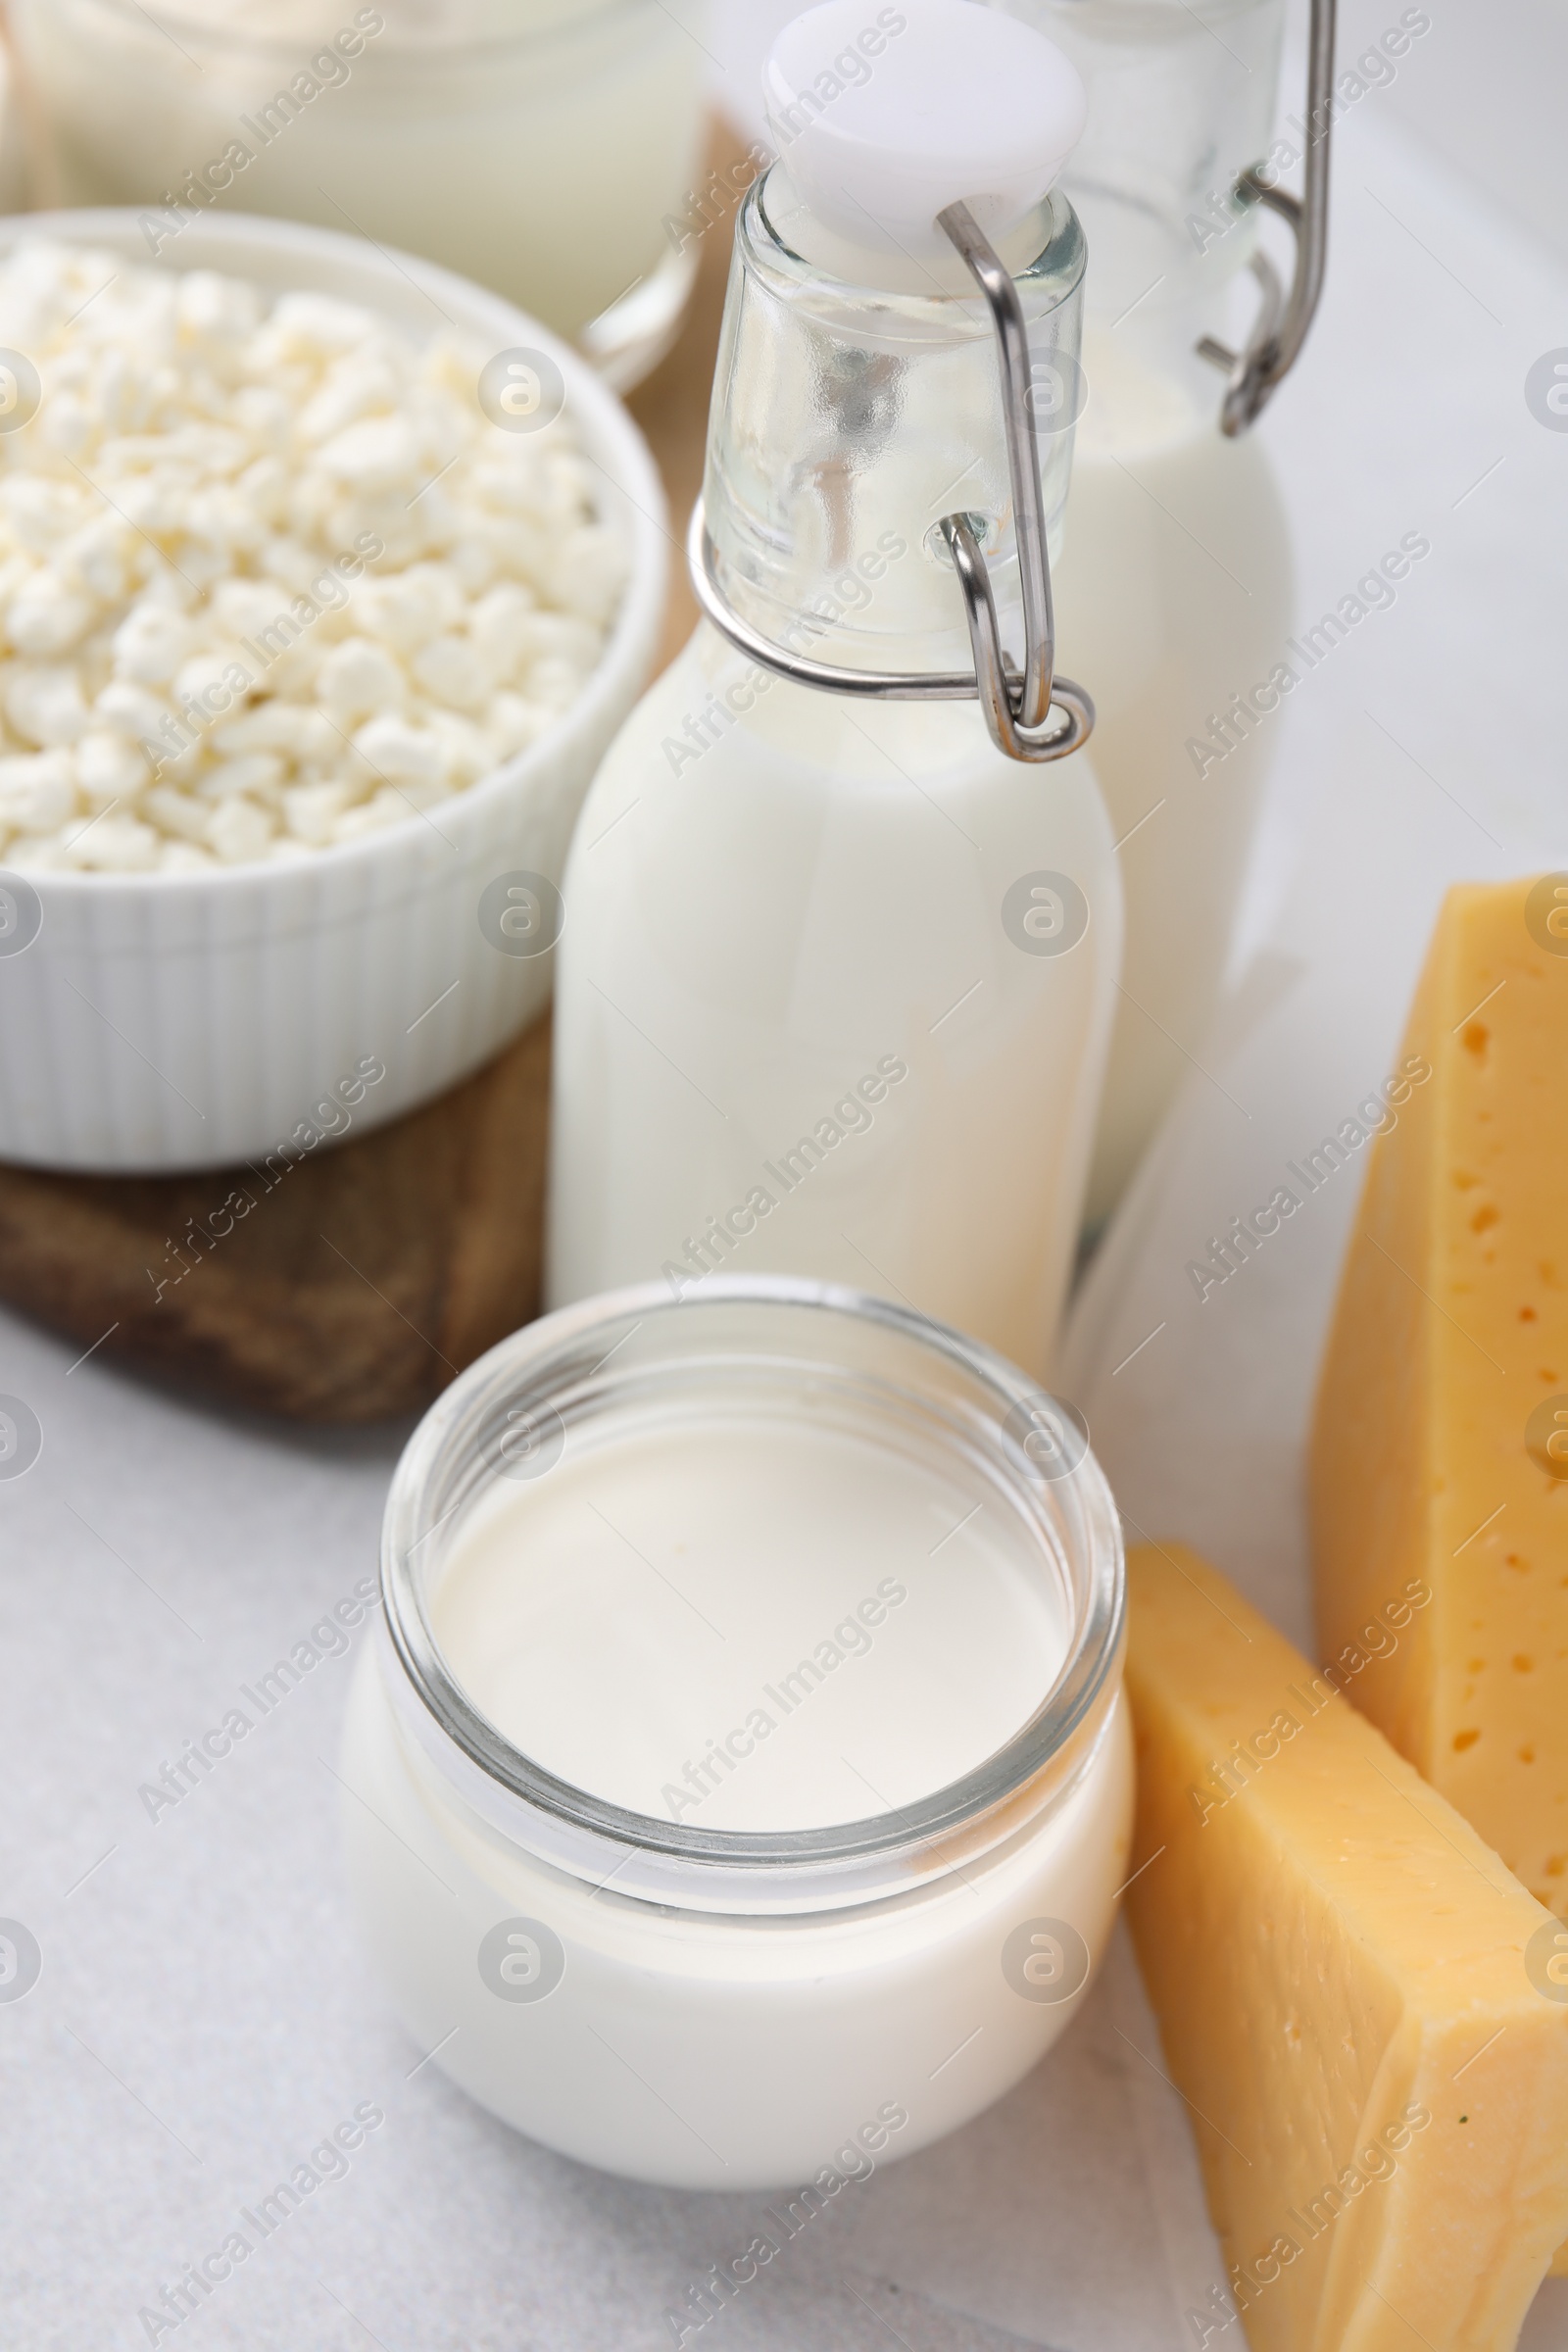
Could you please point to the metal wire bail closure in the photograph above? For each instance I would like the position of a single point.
(1280, 328)
(1031, 714)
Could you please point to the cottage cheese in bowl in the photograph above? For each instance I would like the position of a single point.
(269, 577)
(324, 580)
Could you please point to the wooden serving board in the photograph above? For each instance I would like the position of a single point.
(367, 1278)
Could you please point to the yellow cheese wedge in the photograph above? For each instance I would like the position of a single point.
(1354, 1998)
(1440, 1445)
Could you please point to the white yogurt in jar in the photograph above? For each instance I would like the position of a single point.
(747, 1759)
(763, 1627)
(539, 146)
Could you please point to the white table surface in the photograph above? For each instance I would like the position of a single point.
(204, 2016)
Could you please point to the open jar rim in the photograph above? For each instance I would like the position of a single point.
(583, 1362)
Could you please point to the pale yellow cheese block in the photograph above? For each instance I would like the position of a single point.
(1436, 1437)
(1341, 1970)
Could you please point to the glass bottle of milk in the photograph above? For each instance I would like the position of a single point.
(1173, 594)
(836, 978)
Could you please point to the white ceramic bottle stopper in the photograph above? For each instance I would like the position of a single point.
(883, 120)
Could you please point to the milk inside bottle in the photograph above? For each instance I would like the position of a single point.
(1173, 593)
(837, 973)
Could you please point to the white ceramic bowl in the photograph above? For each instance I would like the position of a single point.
(159, 1022)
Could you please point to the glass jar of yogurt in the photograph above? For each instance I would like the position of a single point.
(740, 1789)
(540, 146)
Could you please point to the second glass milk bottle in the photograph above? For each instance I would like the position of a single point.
(1174, 592)
(838, 969)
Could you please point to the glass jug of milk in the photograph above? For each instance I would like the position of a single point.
(1174, 590)
(837, 972)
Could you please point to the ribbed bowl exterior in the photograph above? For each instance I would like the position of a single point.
(159, 1023)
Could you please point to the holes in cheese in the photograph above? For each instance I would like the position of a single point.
(1355, 1998)
(1441, 1443)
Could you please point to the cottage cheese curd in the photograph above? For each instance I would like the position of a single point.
(269, 577)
